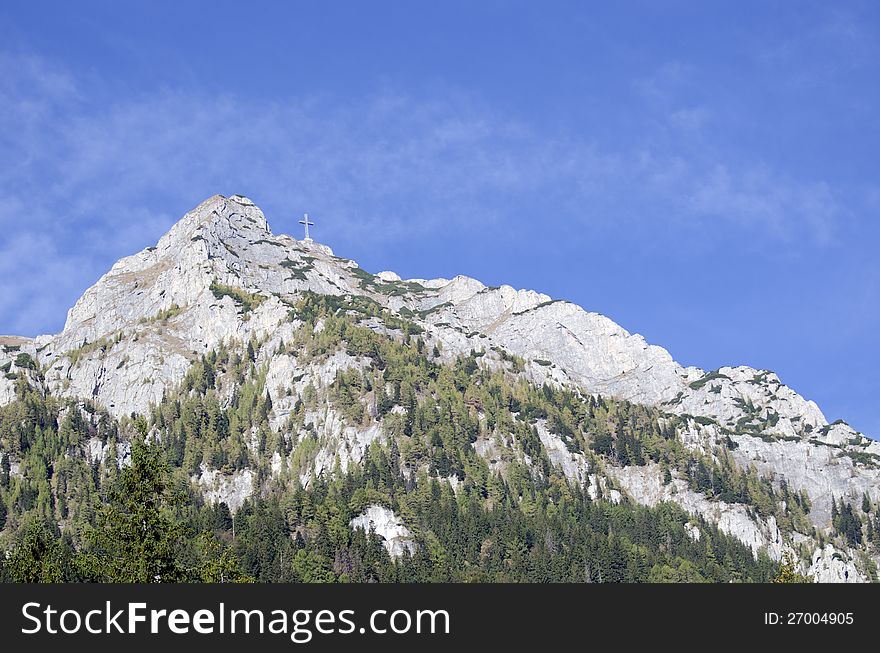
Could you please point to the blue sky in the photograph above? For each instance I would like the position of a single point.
(706, 174)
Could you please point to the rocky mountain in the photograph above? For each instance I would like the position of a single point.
(221, 279)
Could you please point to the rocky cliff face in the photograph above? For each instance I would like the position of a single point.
(396, 537)
(221, 276)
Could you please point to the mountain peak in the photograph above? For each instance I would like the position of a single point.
(225, 217)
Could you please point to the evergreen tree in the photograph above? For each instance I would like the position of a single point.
(40, 557)
(138, 537)
(4, 471)
(218, 564)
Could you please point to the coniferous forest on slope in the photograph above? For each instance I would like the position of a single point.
(67, 516)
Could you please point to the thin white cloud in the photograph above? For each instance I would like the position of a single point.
(664, 82)
(771, 204)
(690, 120)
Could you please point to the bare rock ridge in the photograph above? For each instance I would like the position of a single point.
(220, 275)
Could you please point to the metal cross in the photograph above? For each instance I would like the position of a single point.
(306, 223)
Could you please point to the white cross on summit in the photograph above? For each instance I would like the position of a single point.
(306, 223)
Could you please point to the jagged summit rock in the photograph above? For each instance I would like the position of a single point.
(221, 276)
